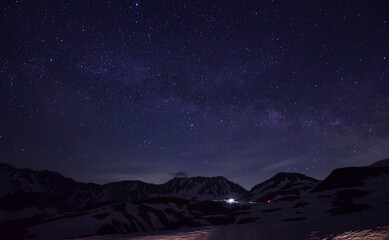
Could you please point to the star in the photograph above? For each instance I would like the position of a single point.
(179, 84)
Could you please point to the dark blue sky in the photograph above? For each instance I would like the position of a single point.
(111, 90)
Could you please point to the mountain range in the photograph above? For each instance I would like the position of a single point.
(78, 194)
(47, 205)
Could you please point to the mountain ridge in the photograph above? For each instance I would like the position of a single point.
(381, 163)
(350, 177)
(81, 194)
(283, 186)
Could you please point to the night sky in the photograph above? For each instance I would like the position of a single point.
(104, 91)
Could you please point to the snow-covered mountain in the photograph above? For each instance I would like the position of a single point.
(13, 180)
(201, 188)
(128, 191)
(282, 187)
(351, 177)
(355, 189)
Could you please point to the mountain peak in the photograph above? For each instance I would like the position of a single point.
(382, 163)
(290, 177)
(350, 177)
(5, 166)
(81, 194)
(282, 186)
(202, 188)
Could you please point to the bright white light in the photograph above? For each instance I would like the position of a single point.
(230, 200)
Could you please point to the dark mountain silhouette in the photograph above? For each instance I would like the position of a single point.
(26, 180)
(83, 194)
(350, 177)
(282, 187)
(197, 188)
(382, 163)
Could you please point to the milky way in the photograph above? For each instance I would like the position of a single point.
(111, 90)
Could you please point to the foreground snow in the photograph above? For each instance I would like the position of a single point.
(199, 234)
(238, 232)
(371, 234)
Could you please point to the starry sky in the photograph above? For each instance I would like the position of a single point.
(104, 91)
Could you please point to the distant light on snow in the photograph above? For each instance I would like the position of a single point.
(268, 201)
(230, 200)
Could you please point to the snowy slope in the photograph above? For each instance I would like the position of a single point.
(356, 189)
(149, 215)
(252, 232)
(23, 209)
